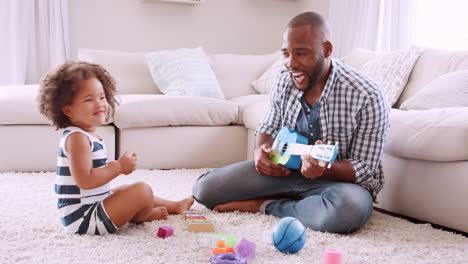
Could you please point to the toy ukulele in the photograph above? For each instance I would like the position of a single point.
(289, 145)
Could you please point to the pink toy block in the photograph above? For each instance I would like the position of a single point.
(332, 256)
(165, 231)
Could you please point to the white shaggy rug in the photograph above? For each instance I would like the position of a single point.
(30, 231)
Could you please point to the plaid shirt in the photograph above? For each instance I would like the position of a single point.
(354, 113)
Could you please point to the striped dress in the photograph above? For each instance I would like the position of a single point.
(82, 211)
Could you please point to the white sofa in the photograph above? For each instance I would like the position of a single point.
(27, 140)
(165, 131)
(426, 154)
(425, 159)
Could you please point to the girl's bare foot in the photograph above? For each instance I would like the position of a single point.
(158, 213)
(184, 205)
(174, 207)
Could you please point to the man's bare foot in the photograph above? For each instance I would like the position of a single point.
(250, 206)
(183, 205)
(158, 213)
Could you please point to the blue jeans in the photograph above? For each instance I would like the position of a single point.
(320, 204)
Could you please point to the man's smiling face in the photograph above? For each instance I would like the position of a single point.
(303, 55)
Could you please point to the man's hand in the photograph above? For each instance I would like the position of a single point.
(310, 167)
(265, 166)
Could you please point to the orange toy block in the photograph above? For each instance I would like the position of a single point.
(221, 248)
(197, 223)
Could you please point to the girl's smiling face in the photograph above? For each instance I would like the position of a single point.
(89, 107)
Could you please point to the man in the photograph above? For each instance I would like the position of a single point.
(326, 101)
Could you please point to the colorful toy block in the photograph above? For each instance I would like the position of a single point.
(197, 222)
(209, 239)
(245, 249)
(221, 248)
(165, 231)
(227, 258)
(332, 256)
(230, 240)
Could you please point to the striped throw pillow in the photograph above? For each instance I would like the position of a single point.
(183, 72)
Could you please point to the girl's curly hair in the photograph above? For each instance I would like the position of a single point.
(59, 86)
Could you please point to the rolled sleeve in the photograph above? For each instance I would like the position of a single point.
(368, 143)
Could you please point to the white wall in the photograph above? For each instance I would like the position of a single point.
(319, 6)
(220, 26)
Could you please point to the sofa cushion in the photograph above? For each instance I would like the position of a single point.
(128, 69)
(435, 135)
(254, 114)
(155, 110)
(245, 101)
(391, 71)
(183, 72)
(430, 65)
(235, 73)
(265, 83)
(18, 106)
(448, 90)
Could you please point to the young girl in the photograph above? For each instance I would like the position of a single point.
(79, 97)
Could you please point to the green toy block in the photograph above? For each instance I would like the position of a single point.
(230, 240)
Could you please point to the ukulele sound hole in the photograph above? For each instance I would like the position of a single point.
(285, 147)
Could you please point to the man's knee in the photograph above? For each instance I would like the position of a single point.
(203, 191)
(214, 187)
(333, 223)
(351, 209)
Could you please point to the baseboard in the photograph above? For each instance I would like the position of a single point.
(416, 221)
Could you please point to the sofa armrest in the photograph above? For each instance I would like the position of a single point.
(19, 106)
(254, 114)
(434, 135)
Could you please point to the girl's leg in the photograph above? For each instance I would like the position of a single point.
(174, 207)
(133, 203)
(119, 188)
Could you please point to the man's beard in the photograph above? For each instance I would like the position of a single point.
(315, 75)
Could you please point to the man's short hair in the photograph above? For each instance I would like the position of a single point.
(313, 19)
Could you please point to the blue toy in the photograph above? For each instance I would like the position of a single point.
(280, 147)
(289, 145)
(289, 235)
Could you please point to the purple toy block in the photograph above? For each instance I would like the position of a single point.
(245, 249)
(165, 231)
(227, 258)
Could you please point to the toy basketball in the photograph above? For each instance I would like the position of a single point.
(289, 235)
